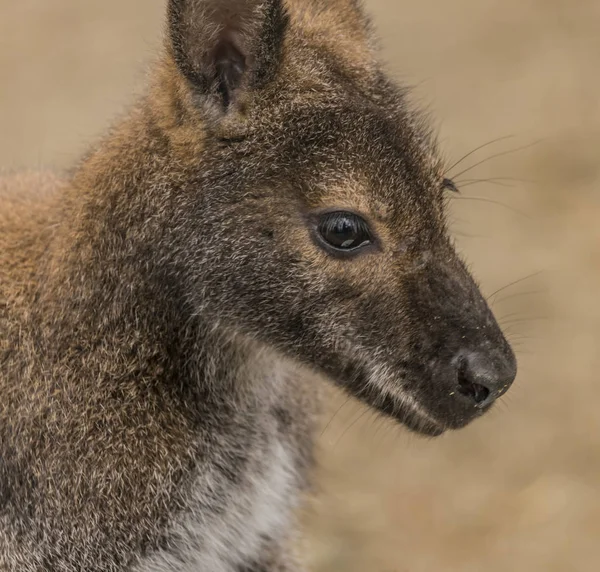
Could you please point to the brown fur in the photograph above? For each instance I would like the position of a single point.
(167, 313)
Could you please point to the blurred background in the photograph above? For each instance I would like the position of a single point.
(518, 490)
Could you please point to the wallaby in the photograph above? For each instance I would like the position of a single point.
(267, 219)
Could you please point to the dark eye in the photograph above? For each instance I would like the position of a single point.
(344, 231)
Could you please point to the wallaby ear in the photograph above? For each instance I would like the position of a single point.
(223, 47)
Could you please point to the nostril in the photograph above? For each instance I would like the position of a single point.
(474, 391)
(483, 377)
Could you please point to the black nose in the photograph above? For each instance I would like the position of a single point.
(483, 377)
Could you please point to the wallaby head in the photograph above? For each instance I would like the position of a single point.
(309, 209)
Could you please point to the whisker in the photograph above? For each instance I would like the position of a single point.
(491, 201)
(528, 277)
(467, 235)
(522, 316)
(532, 319)
(510, 315)
(463, 184)
(497, 155)
(497, 179)
(335, 415)
(366, 410)
(381, 422)
(518, 337)
(504, 138)
(521, 294)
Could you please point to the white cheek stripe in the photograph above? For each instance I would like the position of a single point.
(382, 380)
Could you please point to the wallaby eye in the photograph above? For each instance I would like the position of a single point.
(344, 231)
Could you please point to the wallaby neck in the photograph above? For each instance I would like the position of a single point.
(110, 285)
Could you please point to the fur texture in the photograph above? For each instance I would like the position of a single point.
(169, 312)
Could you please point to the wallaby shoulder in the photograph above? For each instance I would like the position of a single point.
(28, 211)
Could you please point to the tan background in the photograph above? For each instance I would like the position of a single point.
(518, 491)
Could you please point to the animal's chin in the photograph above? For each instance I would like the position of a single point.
(423, 427)
(420, 420)
(410, 410)
(407, 410)
(415, 421)
(410, 414)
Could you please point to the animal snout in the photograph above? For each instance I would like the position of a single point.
(482, 376)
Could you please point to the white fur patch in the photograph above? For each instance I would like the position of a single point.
(207, 543)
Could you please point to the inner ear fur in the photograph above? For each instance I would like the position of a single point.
(223, 47)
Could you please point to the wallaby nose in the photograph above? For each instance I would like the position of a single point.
(482, 377)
